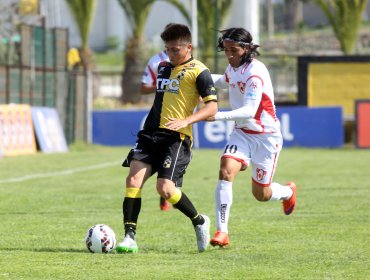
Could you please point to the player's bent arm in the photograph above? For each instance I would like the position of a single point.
(207, 111)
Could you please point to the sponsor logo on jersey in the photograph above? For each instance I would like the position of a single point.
(253, 85)
(260, 174)
(252, 95)
(169, 85)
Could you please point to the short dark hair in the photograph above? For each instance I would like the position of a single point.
(176, 31)
(241, 36)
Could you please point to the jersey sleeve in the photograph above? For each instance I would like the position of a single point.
(253, 93)
(149, 76)
(220, 81)
(251, 101)
(205, 86)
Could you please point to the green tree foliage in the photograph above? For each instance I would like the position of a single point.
(137, 12)
(83, 12)
(207, 24)
(345, 17)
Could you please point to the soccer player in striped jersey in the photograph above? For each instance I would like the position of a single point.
(167, 151)
(148, 85)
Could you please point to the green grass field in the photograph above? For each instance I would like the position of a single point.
(47, 203)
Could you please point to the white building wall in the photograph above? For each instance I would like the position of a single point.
(110, 19)
(245, 14)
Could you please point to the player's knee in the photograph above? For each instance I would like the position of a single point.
(226, 174)
(165, 188)
(133, 182)
(162, 192)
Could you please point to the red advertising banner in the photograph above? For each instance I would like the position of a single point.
(16, 130)
(362, 123)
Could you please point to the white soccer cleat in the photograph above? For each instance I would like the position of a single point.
(128, 245)
(203, 234)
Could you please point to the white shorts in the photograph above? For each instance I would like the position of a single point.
(260, 150)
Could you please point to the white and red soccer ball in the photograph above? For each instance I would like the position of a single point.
(100, 239)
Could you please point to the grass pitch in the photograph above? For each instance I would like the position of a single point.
(47, 203)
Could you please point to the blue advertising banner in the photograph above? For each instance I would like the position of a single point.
(300, 126)
(49, 131)
(311, 126)
(117, 128)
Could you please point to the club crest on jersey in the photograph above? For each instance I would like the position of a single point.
(167, 162)
(241, 86)
(181, 75)
(260, 174)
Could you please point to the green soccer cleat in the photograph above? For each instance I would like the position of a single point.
(128, 245)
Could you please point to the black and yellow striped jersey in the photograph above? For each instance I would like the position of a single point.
(178, 91)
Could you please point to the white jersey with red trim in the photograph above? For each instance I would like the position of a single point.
(151, 70)
(251, 91)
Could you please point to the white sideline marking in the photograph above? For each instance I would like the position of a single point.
(60, 173)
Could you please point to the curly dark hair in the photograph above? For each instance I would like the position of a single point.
(241, 36)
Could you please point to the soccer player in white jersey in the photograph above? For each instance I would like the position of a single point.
(256, 139)
(149, 78)
(148, 85)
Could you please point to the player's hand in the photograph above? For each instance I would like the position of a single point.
(176, 124)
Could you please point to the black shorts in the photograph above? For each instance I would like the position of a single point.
(164, 150)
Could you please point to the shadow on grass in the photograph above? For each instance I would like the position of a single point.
(47, 250)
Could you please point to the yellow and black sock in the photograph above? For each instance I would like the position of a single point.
(183, 203)
(131, 209)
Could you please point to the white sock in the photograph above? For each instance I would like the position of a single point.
(280, 192)
(223, 201)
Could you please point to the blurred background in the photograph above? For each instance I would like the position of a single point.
(83, 55)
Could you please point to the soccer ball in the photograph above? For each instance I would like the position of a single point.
(100, 239)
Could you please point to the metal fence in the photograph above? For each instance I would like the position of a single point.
(39, 76)
(282, 69)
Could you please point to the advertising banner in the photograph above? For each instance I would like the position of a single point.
(117, 128)
(49, 131)
(362, 120)
(16, 130)
(300, 126)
